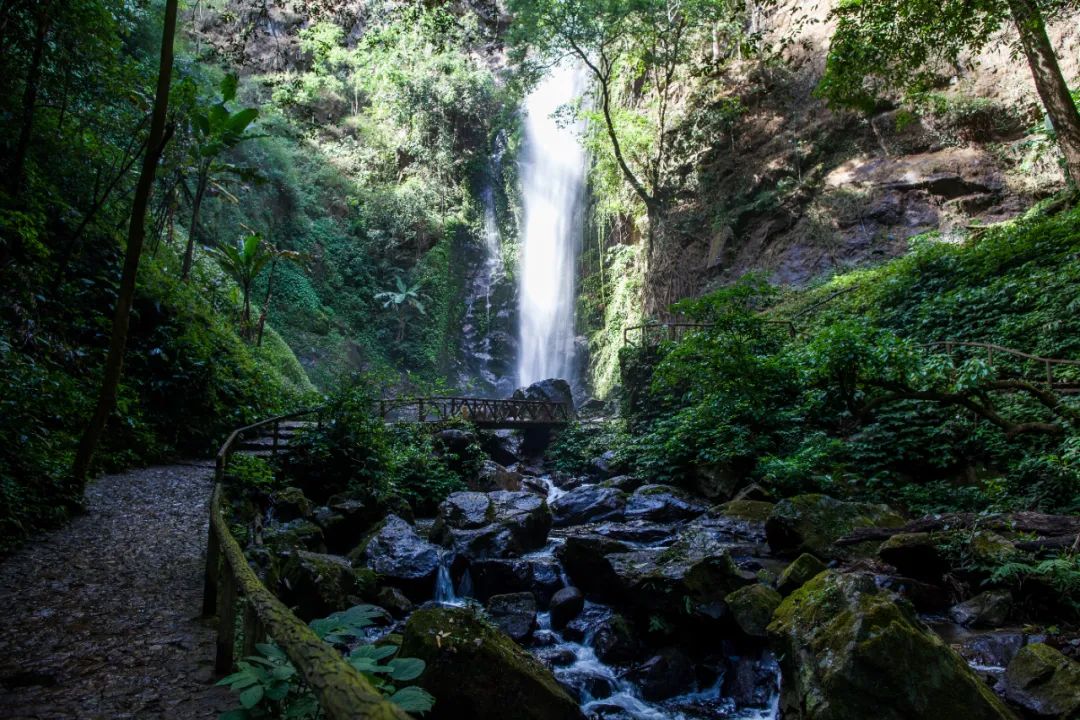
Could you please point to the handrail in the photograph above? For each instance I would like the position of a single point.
(991, 348)
(487, 412)
(673, 328)
(343, 692)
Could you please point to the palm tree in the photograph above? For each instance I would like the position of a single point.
(401, 300)
(243, 263)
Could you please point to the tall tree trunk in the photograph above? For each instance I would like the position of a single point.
(1053, 91)
(196, 206)
(114, 362)
(29, 102)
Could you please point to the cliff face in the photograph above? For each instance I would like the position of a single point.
(790, 187)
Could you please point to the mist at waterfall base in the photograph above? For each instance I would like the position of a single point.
(552, 172)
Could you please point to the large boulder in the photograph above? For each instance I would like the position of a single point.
(662, 503)
(475, 671)
(666, 674)
(500, 524)
(752, 608)
(987, 609)
(1044, 682)
(798, 573)
(849, 650)
(289, 504)
(401, 558)
(294, 535)
(615, 641)
(493, 476)
(315, 585)
(812, 523)
(551, 390)
(514, 614)
(566, 605)
(587, 504)
(541, 577)
(585, 559)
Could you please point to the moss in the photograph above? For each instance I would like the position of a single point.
(798, 573)
(752, 608)
(812, 523)
(1044, 681)
(476, 671)
(751, 510)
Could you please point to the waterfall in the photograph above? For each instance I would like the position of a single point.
(552, 188)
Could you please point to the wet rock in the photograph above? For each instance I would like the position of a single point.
(751, 682)
(579, 628)
(465, 510)
(799, 573)
(664, 675)
(557, 656)
(586, 683)
(477, 672)
(615, 641)
(585, 559)
(994, 649)
(493, 476)
(499, 524)
(626, 483)
(289, 504)
(393, 601)
(315, 585)
(926, 597)
(603, 465)
(455, 441)
(551, 390)
(841, 639)
(916, 555)
(662, 503)
(514, 614)
(526, 515)
(812, 523)
(566, 605)
(1044, 682)
(987, 609)
(635, 531)
(341, 532)
(502, 446)
(400, 557)
(293, 535)
(496, 577)
(717, 481)
(753, 511)
(752, 608)
(588, 503)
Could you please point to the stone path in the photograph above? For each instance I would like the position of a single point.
(100, 619)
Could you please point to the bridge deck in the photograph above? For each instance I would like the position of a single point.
(482, 412)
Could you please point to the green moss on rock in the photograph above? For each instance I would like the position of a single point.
(850, 651)
(752, 608)
(1045, 682)
(798, 573)
(757, 511)
(812, 523)
(477, 672)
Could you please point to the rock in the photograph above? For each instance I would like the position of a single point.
(551, 390)
(615, 642)
(315, 585)
(557, 656)
(502, 446)
(635, 531)
(916, 555)
(1043, 681)
(295, 534)
(798, 573)
(566, 605)
(493, 476)
(584, 624)
(477, 672)
(289, 504)
(662, 503)
(926, 597)
(602, 466)
(456, 442)
(400, 557)
(751, 682)
(752, 608)
(498, 524)
(664, 675)
(987, 609)
(588, 503)
(717, 481)
(340, 531)
(754, 492)
(393, 601)
(593, 406)
(849, 650)
(514, 614)
(497, 577)
(753, 511)
(626, 483)
(585, 559)
(812, 523)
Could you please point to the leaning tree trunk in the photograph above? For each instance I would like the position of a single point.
(1049, 82)
(196, 206)
(114, 362)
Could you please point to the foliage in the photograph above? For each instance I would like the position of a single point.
(268, 685)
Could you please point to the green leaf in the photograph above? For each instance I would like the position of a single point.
(413, 699)
(251, 697)
(239, 121)
(406, 668)
(229, 84)
(374, 652)
(237, 714)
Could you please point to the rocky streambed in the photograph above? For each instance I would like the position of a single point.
(546, 596)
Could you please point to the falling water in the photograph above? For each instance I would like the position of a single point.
(552, 183)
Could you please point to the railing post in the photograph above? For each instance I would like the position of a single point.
(253, 629)
(212, 573)
(226, 629)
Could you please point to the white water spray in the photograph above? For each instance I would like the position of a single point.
(552, 189)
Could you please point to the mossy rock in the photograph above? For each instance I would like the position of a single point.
(752, 608)
(851, 651)
(918, 555)
(755, 511)
(798, 573)
(812, 523)
(316, 585)
(294, 535)
(477, 672)
(290, 503)
(1043, 681)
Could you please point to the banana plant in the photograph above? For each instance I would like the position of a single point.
(401, 299)
(214, 130)
(244, 262)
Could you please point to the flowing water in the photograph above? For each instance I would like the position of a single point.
(552, 189)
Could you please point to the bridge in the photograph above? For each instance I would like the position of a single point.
(483, 412)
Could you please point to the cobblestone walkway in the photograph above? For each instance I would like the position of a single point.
(100, 619)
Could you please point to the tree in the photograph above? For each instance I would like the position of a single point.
(114, 361)
(650, 39)
(215, 130)
(907, 45)
(244, 262)
(277, 255)
(401, 299)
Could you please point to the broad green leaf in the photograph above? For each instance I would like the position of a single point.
(413, 699)
(406, 668)
(251, 697)
(229, 83)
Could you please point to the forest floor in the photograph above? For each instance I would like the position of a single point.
(101, 618)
